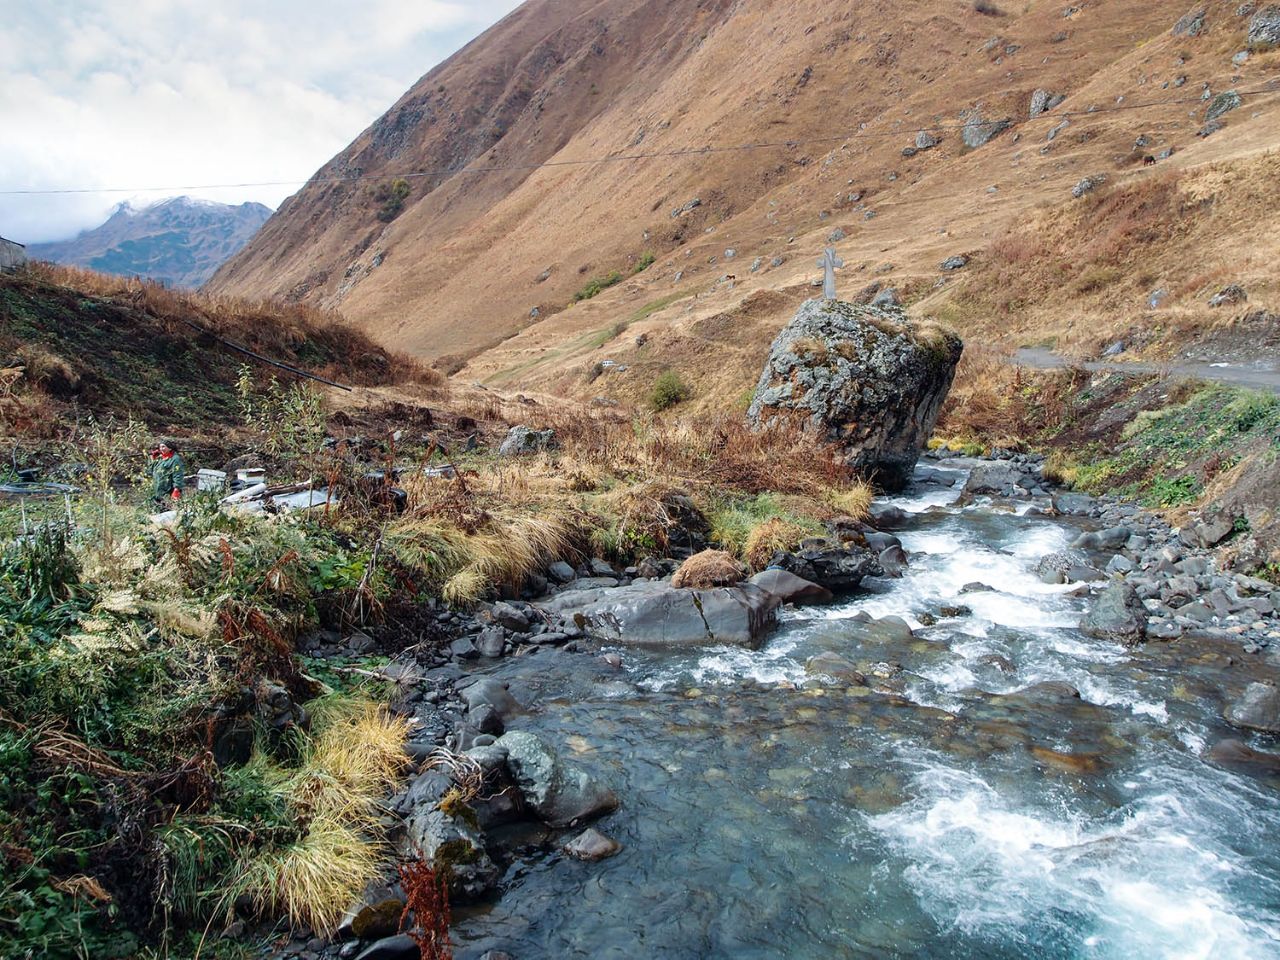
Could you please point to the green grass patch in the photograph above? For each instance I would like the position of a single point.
(733, 518)
(1163, 453)
(596, 285)
(668, 390)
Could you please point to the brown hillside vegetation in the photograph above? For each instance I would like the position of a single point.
(533, 276)
(77, 342)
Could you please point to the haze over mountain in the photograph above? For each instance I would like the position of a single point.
(902, 134)
(179, 241)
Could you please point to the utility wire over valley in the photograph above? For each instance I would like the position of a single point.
(1271, 86)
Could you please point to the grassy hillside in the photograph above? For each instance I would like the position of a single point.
(486, 267)
(74, 343)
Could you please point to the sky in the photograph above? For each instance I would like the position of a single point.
(169, 95)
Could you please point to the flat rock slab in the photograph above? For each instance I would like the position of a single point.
(660, 615)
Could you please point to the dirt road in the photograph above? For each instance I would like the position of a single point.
(1262, 375)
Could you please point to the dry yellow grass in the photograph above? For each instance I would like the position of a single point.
(353, 757)
(768, 538)
(503, 548)
(853, 501)
(313, 880)
(710, 568)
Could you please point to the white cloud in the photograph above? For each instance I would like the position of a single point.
(178, 93)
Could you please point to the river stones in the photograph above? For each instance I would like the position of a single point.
(591, 845)
(558, 792)
(491, 692)
(1258, 708)
(789, 588)
(659, 615)
(1117, 614)
(838, 567)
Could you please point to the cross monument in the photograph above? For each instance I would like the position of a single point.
(829, 262)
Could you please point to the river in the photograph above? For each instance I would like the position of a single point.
(971, 806)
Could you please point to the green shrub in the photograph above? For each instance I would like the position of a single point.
(596, 284)
(391, 196)
(668, 390)
(647, 260)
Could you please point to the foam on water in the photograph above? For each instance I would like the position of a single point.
(1153, 879)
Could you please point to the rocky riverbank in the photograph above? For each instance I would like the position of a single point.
(486, 795)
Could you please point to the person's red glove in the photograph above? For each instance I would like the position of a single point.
(177, 494)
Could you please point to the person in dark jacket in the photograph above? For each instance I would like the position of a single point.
(168, 473)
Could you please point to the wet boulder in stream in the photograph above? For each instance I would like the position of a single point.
(839, 568)
(1116, 614)
(1258, 708)
(789, 588)
(864, 378)
(558, 792)
(455, 846)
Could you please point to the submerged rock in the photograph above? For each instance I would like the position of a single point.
(1234, 753)
(592, 845)
(862, 378)
(659, 615)
(557, 792)
(833, 665)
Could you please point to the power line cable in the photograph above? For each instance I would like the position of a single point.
(680, 152)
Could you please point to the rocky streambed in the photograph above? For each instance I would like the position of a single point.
(1049, 735)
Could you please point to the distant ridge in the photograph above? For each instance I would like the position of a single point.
(180, 241)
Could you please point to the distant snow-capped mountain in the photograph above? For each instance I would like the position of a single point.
(180, 241)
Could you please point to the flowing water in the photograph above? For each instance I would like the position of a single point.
(971, 806)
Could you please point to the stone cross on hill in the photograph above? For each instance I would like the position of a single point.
(829, 262)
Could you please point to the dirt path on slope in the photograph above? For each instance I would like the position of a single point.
(1262, 375)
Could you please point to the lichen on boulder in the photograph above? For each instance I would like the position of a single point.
(864, 378)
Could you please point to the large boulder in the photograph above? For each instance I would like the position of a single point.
(789, 588)
(521, 440)
(864, 378)
(558, 792)
(1258, 708)
(1116, 614)
(657, 614)
(978, 131)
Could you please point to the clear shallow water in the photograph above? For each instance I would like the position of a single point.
(970, 807)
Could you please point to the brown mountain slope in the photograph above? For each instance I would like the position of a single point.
(459, 271)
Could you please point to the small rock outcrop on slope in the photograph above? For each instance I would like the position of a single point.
(862, 377)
